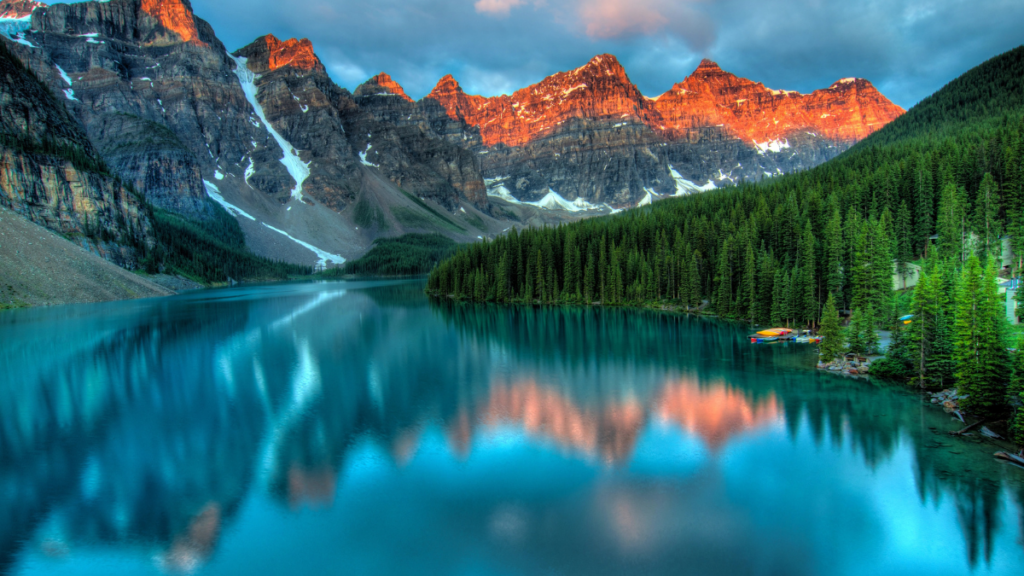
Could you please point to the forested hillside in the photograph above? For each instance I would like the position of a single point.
(776, 251)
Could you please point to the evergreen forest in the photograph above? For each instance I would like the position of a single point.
(934, 196)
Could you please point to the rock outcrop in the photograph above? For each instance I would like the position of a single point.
(154, 60)
(337, 132)
(303, 162)
(590, 134)
(151, 158)
(846, 112)
(51, 173)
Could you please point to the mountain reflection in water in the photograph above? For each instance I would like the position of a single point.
(305, 428)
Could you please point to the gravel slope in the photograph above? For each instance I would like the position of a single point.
(40, 268)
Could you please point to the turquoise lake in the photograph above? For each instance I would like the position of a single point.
(361, 428)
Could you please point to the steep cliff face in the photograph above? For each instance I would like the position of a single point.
(51, 173)
(151, 158)
(590, 135)
(155, 61)
(404, 145)
(335, 133)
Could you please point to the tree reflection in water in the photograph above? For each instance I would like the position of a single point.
(145, 426)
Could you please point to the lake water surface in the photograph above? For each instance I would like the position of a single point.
(359, 428)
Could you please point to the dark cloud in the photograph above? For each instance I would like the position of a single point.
(908, 48)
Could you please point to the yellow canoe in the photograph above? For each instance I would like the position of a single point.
(769, 333)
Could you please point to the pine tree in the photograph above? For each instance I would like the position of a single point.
(749, 290)
(950, 242)
(723, 282)
(695, 292)
(922, 328)
(979, 352)
(780, 297)
(904, 243)
(832, 336)
(808, 286)
(987, 224)
(834, 254)
(880, 249)
(869, 334)
(924, 208)
(502, 279)
(590, 279)
(855, 333)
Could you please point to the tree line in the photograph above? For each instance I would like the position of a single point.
(941, 191)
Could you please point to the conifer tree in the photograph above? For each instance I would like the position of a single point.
(695, 291)
(780, 297)
(869, 334)
(979, 352)
(987, 225)
(808, 289)
(832, 336)
(950, 242)
(924, 208)
(834, 254)
(590, 279)
(904, 243)
(749, 287)
(723, 282)
(855, 333)
(502, 279)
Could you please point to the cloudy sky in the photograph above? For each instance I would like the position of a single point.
(908, 48)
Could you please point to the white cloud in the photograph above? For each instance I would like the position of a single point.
(497, 7)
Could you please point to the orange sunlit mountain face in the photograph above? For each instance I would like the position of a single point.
(849, 110)
(175, 16)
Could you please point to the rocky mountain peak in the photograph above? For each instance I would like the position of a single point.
(446, 85)
(602, 65)
(268, 53)
(455, 101)
(18, 9)
(847, 111)
(382, 84)
(707, 65)
(174, 15)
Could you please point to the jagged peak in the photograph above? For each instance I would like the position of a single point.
(18, 9)
(381, 84)
(385, 81)
(850, 82)
(445, 86)
(268, 53)
(174, 15)
(601, 65)
(707, 64)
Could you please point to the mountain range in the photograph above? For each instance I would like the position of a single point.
(314, 173)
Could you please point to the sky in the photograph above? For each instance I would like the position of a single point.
(907, 48)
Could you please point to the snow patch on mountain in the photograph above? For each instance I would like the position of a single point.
(213, 192)
(324, 256)
(362, 158)
(772, 146)
(68, 92)
(298, 169)
(684, 186)
(554, 201)
(551, 201)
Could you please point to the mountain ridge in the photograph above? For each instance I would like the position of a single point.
(301, 161)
